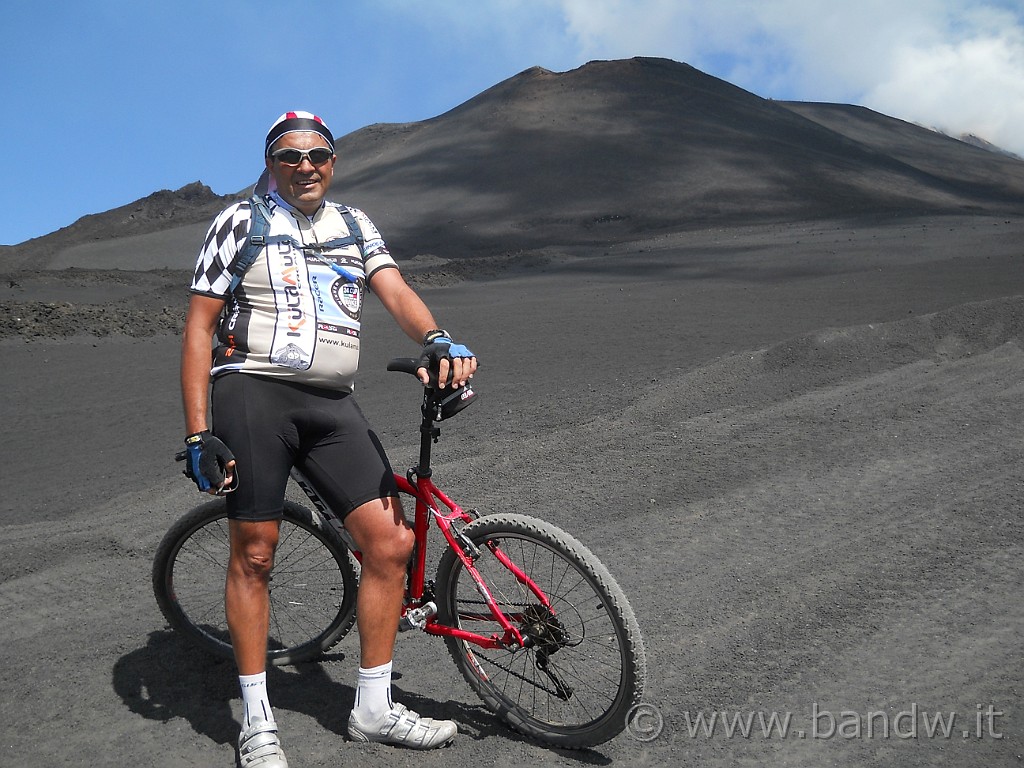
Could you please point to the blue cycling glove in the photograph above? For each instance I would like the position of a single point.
(438, 346)
(206, 460)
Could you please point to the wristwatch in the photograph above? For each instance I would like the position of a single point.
(437, 333)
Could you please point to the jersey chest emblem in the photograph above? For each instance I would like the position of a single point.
(348, 297)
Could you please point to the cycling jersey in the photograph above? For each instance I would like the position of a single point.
(296, 313)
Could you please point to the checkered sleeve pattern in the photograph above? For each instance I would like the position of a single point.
(220, 250)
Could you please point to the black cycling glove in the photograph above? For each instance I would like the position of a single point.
(206, 460)
(438, 346)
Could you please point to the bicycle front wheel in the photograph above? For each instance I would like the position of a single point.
(312, 586)
(583, 666)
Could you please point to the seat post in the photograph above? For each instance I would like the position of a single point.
(428, 432)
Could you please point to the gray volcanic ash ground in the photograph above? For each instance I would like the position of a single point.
(775, 384)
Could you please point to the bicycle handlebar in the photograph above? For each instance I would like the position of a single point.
(411, 365)
(438, 404)
(404, 365)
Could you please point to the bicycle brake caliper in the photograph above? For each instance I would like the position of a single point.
(472, 550)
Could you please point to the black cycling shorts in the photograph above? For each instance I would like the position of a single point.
(272, 424)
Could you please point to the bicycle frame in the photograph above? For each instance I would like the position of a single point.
(419, 609)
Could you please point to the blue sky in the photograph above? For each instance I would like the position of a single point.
(132, 97)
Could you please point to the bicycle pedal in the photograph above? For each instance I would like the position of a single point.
(417, 617)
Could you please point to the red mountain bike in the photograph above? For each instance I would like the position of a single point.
(534, 621)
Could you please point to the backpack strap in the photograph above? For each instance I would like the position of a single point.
(259, 227)
(354, 236)
(353, 227)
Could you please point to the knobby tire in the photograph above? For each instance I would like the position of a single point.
(312, 588)
(589, 641)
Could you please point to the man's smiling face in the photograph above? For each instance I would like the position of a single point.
(305, 185)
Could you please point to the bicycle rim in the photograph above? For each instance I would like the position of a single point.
(312, 587)
(585, 666)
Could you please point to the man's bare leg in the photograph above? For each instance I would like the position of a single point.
(247, 605)
(386, 541)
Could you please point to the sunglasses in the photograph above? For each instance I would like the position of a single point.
(316, 155)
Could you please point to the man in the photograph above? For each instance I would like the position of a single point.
(286, 351)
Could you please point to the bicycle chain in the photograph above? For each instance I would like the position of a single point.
(511, 671)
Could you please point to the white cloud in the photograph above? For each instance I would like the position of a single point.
(975, 85)
(954, 64)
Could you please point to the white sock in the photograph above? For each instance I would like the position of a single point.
(254, 698)
(373, 693)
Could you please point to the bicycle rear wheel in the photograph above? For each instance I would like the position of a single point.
(312, 587)
(583, 667)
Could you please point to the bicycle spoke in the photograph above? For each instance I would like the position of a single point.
(312, 586)
(582, 666)
(303, 581)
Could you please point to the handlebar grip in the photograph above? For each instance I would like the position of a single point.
(444, 403)
(411, 365)
(404, 365)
